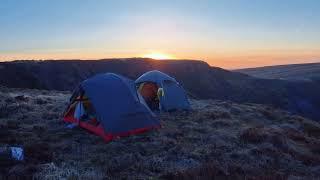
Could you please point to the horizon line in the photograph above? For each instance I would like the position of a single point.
(146, 58)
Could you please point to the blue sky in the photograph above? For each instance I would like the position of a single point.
(222, 32)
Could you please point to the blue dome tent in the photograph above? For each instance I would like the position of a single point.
(172, 97)
(109, 106)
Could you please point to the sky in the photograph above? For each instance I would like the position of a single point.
(226, 33)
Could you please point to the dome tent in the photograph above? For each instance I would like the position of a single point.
(109, 106)
(173, 97)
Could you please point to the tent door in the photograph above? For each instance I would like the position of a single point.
(148, 91)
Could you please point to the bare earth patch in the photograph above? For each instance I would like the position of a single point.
(215, 140)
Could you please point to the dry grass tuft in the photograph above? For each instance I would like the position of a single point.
(253, 135)
(4, 111)
(311, 128)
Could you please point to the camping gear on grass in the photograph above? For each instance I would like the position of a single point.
(109, 106)
(169, 93)
(11, 153)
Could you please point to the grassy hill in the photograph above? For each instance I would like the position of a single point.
(218, 139)
(197, 77)
(309, 72)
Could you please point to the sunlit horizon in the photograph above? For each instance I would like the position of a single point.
(158, 56)
(227, 63)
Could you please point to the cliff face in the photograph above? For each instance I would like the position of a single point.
(198, 78)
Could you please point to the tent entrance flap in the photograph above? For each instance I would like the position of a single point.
(148, 91)
(81, 109)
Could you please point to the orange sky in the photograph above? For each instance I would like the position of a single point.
(228, 60)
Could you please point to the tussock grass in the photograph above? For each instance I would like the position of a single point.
(215, 140)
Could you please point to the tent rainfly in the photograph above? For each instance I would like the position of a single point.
(109, 106)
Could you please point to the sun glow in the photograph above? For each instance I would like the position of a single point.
(158, 56)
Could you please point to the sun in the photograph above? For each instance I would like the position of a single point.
(158, 56)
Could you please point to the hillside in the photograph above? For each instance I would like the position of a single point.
(199, 79)
(309, 72)
(217, 139)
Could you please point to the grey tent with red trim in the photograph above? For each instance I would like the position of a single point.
(117, 107)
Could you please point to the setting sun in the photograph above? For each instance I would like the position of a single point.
(158, 56)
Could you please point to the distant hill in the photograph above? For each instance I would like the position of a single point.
(197, 77)
(310, 71)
